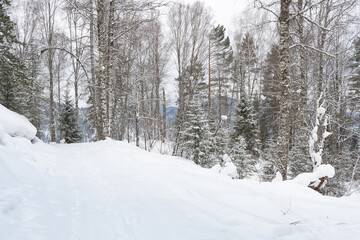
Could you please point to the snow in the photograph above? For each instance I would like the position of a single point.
(14, 124)
(229, 168)
(321, 171)
(305, 178)
(316, 157)
(113, 190)
(325, 170)
(224, 117)
(314, 133)
(321, 110)
(326, 134)
(277, 178)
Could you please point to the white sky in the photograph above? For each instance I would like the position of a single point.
(225, 10)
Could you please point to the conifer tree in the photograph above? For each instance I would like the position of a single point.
(355, 76)
(243, 161)
(69, 128)
(12, 74)
(245, 126)
(249, 64)
(195, 142)
(269, 119)
(220, 142)
(221, 58)
(268, 165)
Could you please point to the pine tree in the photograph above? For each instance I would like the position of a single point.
(243, 161)
(195, 142)
(245, 126)
(69, 128)
(249, 64)
(221, 58)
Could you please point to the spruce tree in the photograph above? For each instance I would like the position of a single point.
(12, 71)
(354, 84)
(69, 128)
(243, 161)
(269, 119)
(245, 126)
(195, 143)
(220, 142)
(269, 158)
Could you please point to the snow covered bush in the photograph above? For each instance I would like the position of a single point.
(226, 167)
(317, 179)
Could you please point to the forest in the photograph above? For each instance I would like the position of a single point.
(278, 93)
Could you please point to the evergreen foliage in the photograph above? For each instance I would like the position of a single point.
(268, 170)
(12, 71)
(221, 65)
(243, 161)
(299, 158)
(220, 142)
(195, 138)
(269, 118)
(69, 128)
(355, 76)
(245, 126)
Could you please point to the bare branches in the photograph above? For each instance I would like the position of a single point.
(70, 53)
(313, 48)
(300, 13)
(267, 7)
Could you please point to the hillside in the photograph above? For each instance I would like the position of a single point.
(113, 190)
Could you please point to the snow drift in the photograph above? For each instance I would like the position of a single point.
(15, 125)
(112, 190)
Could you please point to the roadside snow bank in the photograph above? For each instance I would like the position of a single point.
(14, 125)
(112, 190)
(324, 170)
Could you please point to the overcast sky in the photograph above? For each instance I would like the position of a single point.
(225, 10)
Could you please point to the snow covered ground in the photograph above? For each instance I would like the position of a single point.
(112, 190)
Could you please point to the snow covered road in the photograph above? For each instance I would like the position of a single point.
(112, 190)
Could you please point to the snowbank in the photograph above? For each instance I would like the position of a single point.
(112, 190)
(321, 171)
(15, 125)
(228, 168)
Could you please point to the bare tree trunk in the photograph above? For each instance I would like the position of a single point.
(163, 131)
(303, 71)
(109, 80)
(52, 106)
(283, 140)
(92, 84)
(209, 82)
(123, 117)
(137, 129)
(101, 99)
(49, 18)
